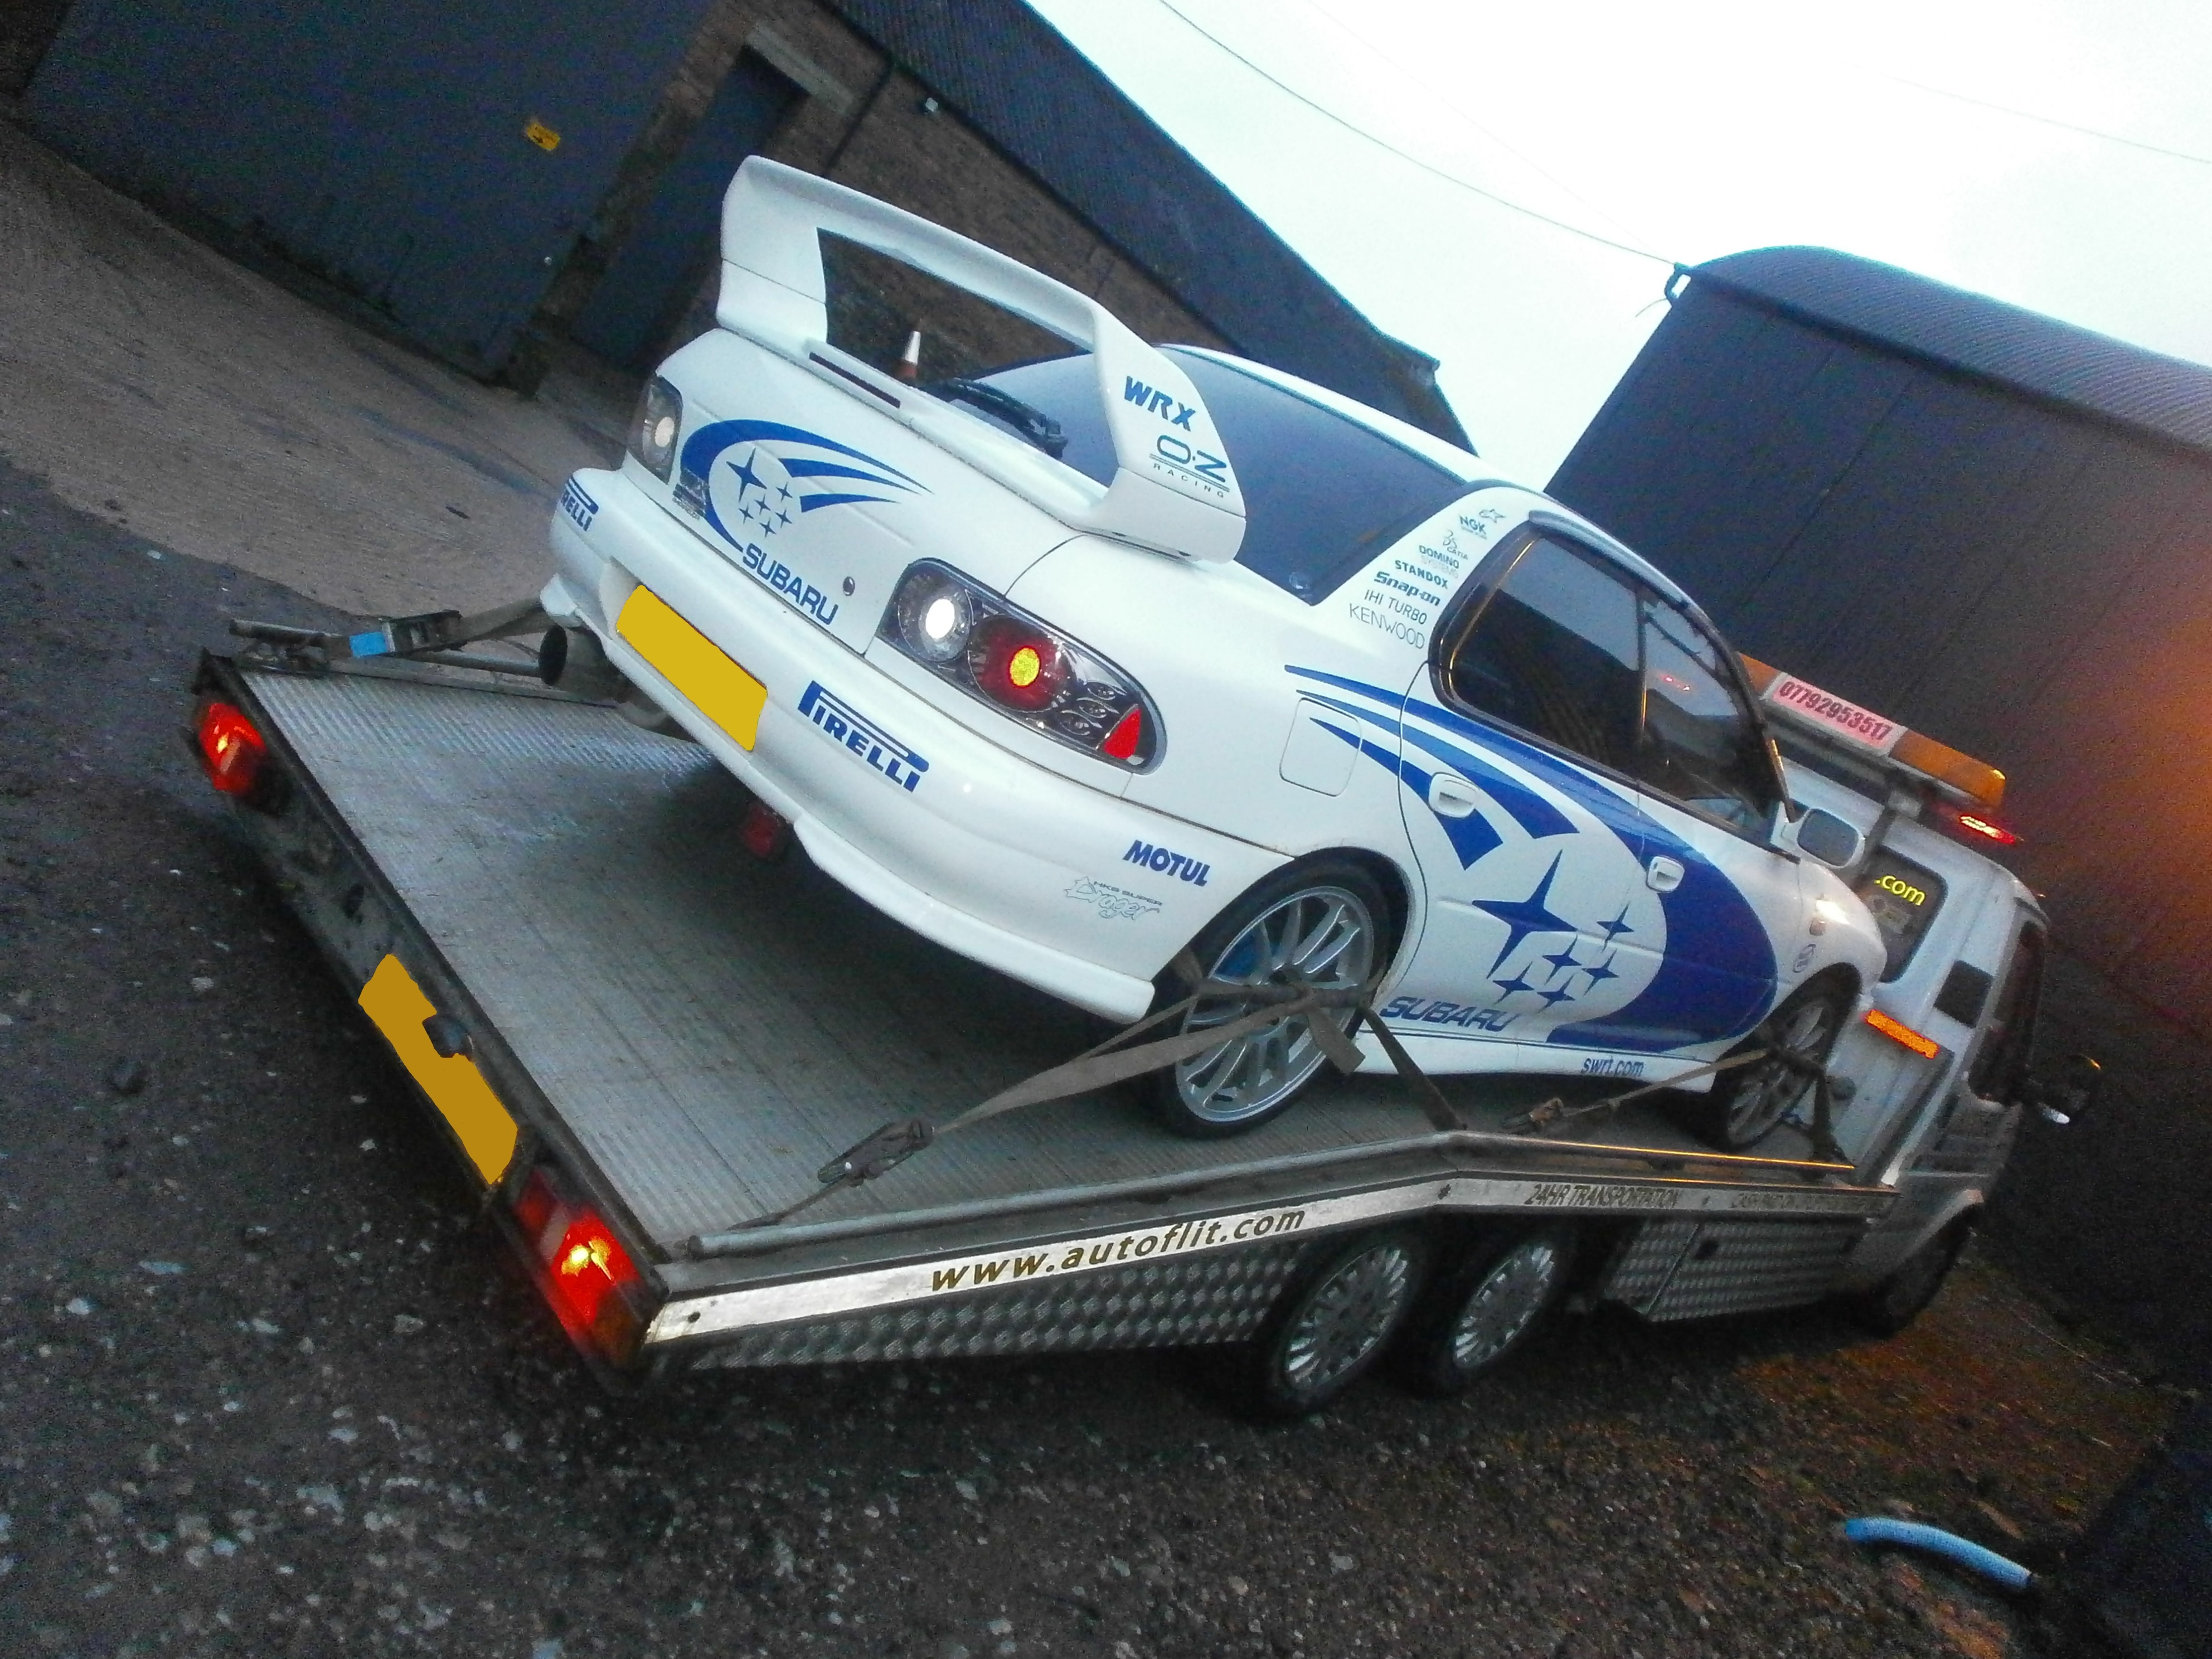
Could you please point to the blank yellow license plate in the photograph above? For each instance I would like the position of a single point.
(485, 1128)
(716, 686)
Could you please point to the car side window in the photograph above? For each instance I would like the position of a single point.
(1552, 650)
(1702, 744)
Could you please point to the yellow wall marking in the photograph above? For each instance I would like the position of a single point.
(694, 665)
(455, 1084)
(541, 134)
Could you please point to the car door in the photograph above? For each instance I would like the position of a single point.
(1977, 1131)
(1733, 906)
(1518, 804)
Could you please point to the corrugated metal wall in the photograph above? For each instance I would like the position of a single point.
(380, 143)
(2028, 583)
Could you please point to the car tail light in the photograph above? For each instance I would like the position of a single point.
(594, 1287)
(232, 749)
(654, 427)
(1017, 665)
(1127, 735)
(996, 652)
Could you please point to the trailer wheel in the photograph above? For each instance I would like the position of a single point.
(1899, 1299)
(1333, 1323)
(1485, 1307)
(1746, 1103)
(1319, 925)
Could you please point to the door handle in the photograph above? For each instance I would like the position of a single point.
(1451, 797)
(1663, 874)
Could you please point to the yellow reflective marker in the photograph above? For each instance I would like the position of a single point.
(717, 687)
(541, 134)
(455, 1084)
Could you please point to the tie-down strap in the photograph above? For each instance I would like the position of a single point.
(1120, 1058)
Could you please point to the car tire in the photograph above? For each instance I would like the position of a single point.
(1325, 923)
(1746, 1103)
(1336, 1319)
(1483, 1307)
(1888, 1307)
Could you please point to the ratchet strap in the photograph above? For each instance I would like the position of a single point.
(1825, 1091)
(1120, 1058)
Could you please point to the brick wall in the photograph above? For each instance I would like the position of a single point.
(870, 129)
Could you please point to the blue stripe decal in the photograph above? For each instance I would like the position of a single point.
(1523, 805)
(800, 467)
(1718, 975)
(1471, 836)
(808, 503)
(759, 489)
(709, 441)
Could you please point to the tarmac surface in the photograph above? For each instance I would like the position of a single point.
(268, 1384)
(159, 386)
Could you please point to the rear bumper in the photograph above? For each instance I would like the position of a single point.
(1017, 867)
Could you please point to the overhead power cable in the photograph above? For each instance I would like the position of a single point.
(2047, 121)
(1383, 145)
(1448, 104)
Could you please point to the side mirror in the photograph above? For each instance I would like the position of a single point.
(2063, 1090)
(1822, 835)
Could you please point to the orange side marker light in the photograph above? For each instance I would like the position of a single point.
(1898, 1031)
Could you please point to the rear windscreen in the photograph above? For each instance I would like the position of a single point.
(1322, 495)
(1904, 898)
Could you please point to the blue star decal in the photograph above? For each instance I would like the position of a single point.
(746, 511)
(1617, 926)
(1598, 972)
(1563, 960)
(1552, 998)
(1525, 916)
(784, 493)
(783, 518)
(1510, 985)
(746, 474)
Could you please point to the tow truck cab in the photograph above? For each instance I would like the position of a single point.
(1941, 1057)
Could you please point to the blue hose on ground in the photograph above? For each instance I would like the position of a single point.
(1880, 1530)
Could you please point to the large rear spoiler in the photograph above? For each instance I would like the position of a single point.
(1174, 490)
(1875, 738)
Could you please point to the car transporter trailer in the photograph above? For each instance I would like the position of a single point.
(651, 1048)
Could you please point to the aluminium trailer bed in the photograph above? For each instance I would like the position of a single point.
(642, 1039)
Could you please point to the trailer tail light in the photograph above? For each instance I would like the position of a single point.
(594, 1287)
(589, 1266)
(231, 748)
(536, 1211)
(1989, 828)
(1898, 1031)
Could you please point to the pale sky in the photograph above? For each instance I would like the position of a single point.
(1688, 131)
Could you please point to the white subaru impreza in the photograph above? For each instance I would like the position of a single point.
(1077, 657)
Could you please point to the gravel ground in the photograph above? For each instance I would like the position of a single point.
(270, 1388)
